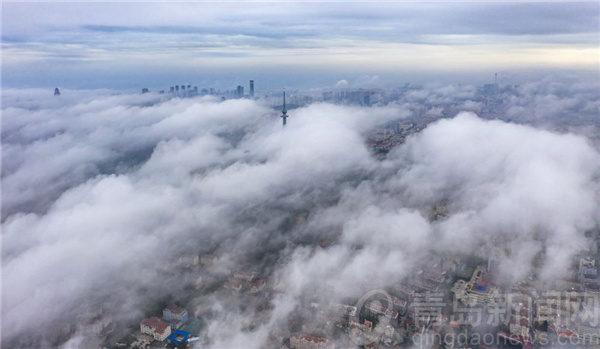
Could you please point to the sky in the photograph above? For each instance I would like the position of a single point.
(298, 44)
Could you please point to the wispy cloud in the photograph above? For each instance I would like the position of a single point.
(525, 35)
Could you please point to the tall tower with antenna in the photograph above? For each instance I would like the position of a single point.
(284, 110)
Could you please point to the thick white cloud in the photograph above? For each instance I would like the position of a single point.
(203, 160)
(505, 180)
(100, 191)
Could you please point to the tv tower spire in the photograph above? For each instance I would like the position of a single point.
(284, 110)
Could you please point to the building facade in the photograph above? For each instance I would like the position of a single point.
(176, 315)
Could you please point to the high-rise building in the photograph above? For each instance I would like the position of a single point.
(240, 91)
(145, 90)
(251, 88)
(56, 92)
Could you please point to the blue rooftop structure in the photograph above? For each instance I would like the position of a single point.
(179, 336)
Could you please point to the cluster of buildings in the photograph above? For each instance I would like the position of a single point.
(391, 135)
(443, 300)
(366, 97)
(448, 303)
(167, 328)
(192, 91)
(245, 280)
(523, 314)
(573, 314)
(477, 291)
(91, 321)
(385, 318)
(303, 341)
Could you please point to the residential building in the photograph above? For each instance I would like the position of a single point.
(377, 309)
(234, 284)
(189, 260)
(479, 290)
(257, 286)
(176, 315)
(158, 328)
(245, 275)
(99, 326)
(308, 342)
(207, 259)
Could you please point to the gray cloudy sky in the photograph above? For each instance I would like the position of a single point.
(157, 44)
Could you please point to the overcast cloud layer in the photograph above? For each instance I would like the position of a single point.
(134, 45)
(100, 191)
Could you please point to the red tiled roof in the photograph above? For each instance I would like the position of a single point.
(158, 325)
(311, 338)
(435, 276)
(395, 300)
(380, 309)
(175, 309)
(567, 334)
(244, 274)
(234, 283)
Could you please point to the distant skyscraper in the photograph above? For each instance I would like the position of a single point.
(145, 90)
(251, 88)
(176, 87)
(284, 111)
(56, 92)
(240, 91)
(172, 89)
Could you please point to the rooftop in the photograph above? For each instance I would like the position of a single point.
(157, 324)
(310, 338)
(175, 309)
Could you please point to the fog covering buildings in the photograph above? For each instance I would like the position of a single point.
(109, 200)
